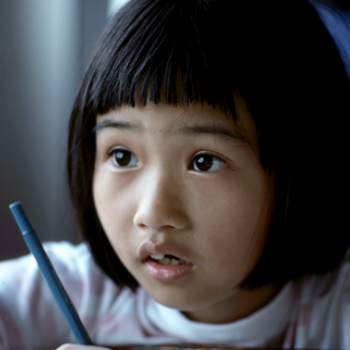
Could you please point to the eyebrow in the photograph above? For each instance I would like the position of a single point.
(217, 130)
(115, 125)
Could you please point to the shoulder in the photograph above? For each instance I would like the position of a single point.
(331, 286)
(28, 308)
(71, 258)
(322, 309)
(334, 285)
(80, 275)
(73, 264)
(65, 257)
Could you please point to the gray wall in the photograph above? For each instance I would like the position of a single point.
(44, 49)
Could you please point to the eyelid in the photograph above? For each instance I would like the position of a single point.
(213, 154)
(117, 148)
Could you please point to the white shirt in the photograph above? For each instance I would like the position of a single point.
(313, 313)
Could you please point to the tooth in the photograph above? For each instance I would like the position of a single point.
(162, 259)
(183, 261)
(165, 261)
(157, 256)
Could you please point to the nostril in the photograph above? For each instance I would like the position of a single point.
(159, 218)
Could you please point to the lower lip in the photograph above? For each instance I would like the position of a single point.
(161, 272)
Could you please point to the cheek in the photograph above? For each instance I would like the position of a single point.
(109, 200)
(235, 220)
(239, 202)
(110, 190)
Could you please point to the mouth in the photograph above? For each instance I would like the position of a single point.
(166, 259)
(162, 253)
(163, 262)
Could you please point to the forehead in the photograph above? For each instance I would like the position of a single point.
(185, 119)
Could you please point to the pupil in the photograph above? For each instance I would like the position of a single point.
(122, 157)
(204, 162)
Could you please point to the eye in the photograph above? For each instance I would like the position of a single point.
(207, 162)
(123, 158)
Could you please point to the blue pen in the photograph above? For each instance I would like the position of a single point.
(50, 275)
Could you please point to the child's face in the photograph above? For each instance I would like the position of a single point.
(181, 181)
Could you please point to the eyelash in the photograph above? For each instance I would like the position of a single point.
(204, 160)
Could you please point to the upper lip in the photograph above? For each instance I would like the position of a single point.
(147, 248)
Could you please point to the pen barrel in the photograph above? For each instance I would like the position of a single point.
(44, 263)
(56, 287)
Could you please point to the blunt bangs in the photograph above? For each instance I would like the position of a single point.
(279, 57)
(155, 54)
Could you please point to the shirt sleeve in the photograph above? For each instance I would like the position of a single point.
(29, 315)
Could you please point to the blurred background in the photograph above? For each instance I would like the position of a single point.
(45, 46)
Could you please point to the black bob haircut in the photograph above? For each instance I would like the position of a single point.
(281, 59)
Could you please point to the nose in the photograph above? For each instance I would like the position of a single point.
(161, 204)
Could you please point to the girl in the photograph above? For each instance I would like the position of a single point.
(207, 166)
